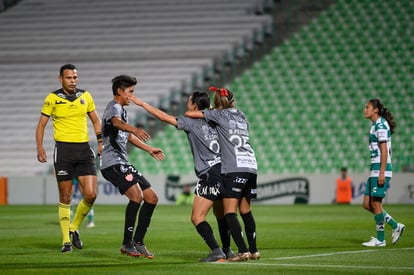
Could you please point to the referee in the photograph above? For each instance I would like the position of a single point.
(73, 157)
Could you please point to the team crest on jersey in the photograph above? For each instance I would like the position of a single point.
(82, 101)
(129, 177)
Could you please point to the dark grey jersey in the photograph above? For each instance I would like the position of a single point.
(203, 142)
(114, 140)
(237, 155)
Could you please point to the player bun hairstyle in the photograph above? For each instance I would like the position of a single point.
(223, 98)
(383, 112)
(122, 82)
(201, 99)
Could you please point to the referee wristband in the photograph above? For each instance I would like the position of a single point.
(99, 137)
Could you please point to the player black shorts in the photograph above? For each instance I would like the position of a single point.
(209, 184)
(73, 159)
(238, 185)
(124, 176)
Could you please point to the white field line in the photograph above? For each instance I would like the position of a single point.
(260, 262)
(329, 266)
(340, 252)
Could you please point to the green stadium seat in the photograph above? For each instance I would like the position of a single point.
(304, 101)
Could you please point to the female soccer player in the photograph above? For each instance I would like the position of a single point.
(207, 163)
(238, 168)
(382, 128)
(115, 167)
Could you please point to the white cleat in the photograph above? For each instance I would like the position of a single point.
(374, 242)
(90, 225)
(397, 233)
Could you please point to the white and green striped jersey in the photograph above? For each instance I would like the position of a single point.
(380, 132)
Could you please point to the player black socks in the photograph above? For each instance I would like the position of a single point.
(204, 229)
(224, 234)
(144, 220)
(130, 218)
(236, 231)
(250, 228)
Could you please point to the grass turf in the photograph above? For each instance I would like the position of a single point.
(293, 239)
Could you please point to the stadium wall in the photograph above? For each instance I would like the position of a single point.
(311, 189)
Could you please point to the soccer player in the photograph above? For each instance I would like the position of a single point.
(382, 128)
(69, 108)
(207, 162)
(115, 167)
(238, 169)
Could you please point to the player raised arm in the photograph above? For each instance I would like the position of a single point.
(194, 114)
(161, 115)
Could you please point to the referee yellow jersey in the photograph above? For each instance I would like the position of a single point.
(69, 114)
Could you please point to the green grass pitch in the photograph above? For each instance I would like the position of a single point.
(293, 239)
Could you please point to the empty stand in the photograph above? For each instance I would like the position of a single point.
(305, 100)
(165, 44)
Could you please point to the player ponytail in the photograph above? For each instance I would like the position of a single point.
(384, 112)
(223, 98)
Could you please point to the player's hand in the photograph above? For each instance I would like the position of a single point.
(137, 101)
(157, 153)
(381, 180)
(100, 148)
(141, 134)
(41, 155)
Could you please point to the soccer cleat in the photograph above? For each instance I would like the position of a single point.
(255, 256)
(90, 224)
(218, 257)
(397, 233)
(374, 242)
(129, 249)
(67, 247)
(143, 251)
(229, 253)
(240, 257)
(75, 238)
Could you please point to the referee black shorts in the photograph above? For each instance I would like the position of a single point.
(73, 159)
(124, 176)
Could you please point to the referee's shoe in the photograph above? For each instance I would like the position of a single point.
(67, 247)
(75, 238)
